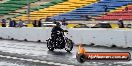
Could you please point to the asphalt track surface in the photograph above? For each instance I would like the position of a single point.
(21, 53)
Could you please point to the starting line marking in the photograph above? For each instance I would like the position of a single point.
(31, 60)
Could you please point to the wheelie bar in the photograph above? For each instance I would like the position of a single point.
(83, 56)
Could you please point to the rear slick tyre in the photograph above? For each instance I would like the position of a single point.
(50, 45)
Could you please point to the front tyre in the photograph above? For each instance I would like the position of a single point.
(68, 45)
(50, 45)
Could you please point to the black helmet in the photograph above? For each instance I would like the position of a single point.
(58, 24)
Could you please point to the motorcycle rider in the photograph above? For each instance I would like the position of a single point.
(55, 30)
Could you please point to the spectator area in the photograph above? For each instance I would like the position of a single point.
(94, 10)
(119, 13)
(43, 4)
(59, 8)
(12, 5)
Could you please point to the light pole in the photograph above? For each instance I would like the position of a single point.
(28, 10)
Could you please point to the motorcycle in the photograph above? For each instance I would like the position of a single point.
(60, 42)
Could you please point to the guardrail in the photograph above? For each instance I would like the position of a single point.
(97, 36)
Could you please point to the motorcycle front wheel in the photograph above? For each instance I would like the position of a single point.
(68, 45)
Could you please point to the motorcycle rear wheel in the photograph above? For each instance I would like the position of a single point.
(50, 45)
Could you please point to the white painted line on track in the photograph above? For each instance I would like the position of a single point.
(31, 60)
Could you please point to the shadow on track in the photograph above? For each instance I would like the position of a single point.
(59, 53)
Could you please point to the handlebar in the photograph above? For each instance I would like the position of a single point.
(65, 30)
(59, 32)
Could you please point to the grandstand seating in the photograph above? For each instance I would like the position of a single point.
(12, 5)
(95, 9)
(120, 13)
(59, 8)
(45, 4)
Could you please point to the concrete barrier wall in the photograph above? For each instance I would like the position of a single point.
(105, 37)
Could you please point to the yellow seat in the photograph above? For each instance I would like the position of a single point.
(29, 25)
(71, 25)
(114, 26)
(73, 0)
(0, 24)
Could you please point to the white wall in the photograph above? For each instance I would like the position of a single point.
(105, 37)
